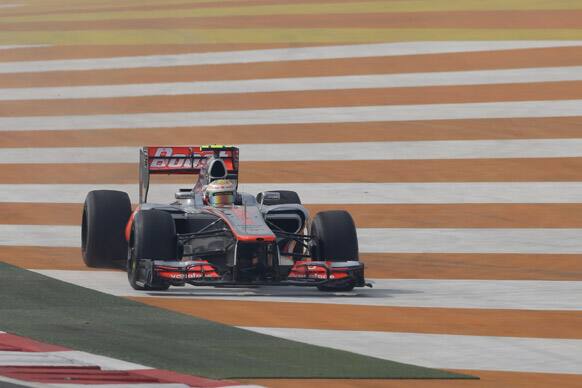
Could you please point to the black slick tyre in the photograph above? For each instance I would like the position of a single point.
(335, 237)
(286, 197)
(105, 215)
(153, 237)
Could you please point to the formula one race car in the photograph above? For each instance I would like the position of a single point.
(214, 235)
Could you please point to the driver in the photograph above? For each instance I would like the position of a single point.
(220, 193)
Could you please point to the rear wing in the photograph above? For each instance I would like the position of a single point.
(182, 160)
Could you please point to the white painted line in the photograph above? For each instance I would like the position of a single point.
(136, 385)
(483, 77)
(244, 386)
(20, 46)
(277, 55)
(8, 358)
(105, 363)
(448, 351)
(395, 150)
(65, 358)
(536, 241)
(40, 235)
(359, 114)
(476, 294)
(145, 385)
(328, 193)
(439, 192)
(483, 294)
(371, 240)
(11, 5)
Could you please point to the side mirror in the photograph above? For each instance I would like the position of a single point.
(183, 194)
(270, 196)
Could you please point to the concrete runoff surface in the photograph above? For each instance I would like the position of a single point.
(95, 322)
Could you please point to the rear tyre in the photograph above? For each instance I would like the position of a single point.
(287, 197)
(105, 215)
(153, 238)
(335, 237)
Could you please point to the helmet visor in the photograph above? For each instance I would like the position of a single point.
(222, 199)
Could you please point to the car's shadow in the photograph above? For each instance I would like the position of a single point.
(279, 292)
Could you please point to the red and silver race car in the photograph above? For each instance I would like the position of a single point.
(214, 235)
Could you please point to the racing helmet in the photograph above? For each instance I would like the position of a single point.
(220, 192)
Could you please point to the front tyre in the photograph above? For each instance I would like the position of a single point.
(105, 215)
(334, 233)
(153, 238)
(335, 238)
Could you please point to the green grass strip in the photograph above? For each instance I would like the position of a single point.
(53, 311)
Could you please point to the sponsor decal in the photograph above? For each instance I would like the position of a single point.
(188, 275)
(161, 161)
(172, 275)
(303, 270)
(162, 158)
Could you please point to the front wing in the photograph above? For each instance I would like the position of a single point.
(203, 273)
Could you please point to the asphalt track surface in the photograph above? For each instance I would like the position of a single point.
(451, 130)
